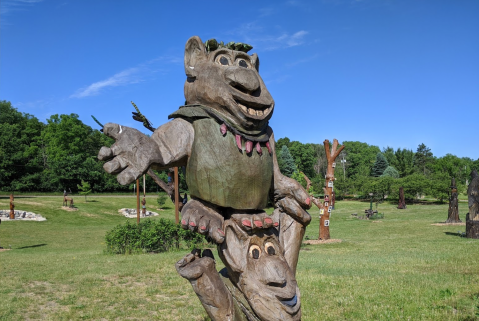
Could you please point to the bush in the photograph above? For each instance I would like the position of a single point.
(150, 236)
(161, 199)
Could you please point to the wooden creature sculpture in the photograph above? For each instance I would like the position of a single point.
(453, 211)
(472, 218)
(223, 138)
(67, 199)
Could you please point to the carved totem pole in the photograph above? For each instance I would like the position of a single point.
(453, 212)
(222, 137)
(472, 218)
(329, 197)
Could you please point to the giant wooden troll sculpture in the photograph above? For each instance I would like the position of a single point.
(222, 137)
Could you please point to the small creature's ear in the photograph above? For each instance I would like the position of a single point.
(255, 61)
(234, 249)
(194, 51)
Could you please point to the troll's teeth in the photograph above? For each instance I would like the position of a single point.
(249, 146)
(223, 129)
(238, 141)
(251, 111)
(258, 148)
(243, 107)
(269, 147)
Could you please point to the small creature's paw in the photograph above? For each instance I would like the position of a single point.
(199, 218)
(192, 266)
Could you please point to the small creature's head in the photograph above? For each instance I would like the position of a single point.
(228, 81)
(256, 265)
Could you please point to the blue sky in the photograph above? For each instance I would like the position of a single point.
(388, 73)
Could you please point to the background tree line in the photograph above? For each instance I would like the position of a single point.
(61, 153)
(362, 169)
(53, 156)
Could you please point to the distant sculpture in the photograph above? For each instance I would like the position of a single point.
(67, 199)
(222, 137)
(12, 208)
(143, 206)
(402, 200)
(453, 212)
(472, 218)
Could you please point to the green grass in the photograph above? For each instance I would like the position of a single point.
(397, 268)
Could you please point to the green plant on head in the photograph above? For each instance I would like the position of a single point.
(212, 45)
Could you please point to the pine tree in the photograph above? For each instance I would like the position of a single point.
(288, 165)
(380, 165)
(391, 172)
(84, 188)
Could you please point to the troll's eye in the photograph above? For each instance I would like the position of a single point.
(243, 63)
(269, 248)
(254, 251)
(223, 60)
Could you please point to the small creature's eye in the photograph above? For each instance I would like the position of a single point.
(269, 247)
(254, 251)
(242, 63)
(223, 60)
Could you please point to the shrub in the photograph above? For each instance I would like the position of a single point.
(150, 236)
(161, 200)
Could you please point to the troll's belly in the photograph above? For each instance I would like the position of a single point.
(218, 172)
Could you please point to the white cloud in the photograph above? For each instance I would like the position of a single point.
(254, 34)
(295, 39)
(125, 77)
(7, 6)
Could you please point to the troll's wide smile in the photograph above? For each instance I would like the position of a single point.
(255, 111)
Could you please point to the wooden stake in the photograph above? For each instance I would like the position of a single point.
(177, 196)
(137, 201)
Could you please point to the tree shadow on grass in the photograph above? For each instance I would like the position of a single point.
(460, 234)
(16, 197)
(30, 246)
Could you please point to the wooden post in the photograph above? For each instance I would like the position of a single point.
(144, 185)
(177, 196)
(12, 208)
(328, 188)
(137, 201)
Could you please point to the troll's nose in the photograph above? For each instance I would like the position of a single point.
(242, 78)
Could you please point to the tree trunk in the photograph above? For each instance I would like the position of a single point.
(402, 200)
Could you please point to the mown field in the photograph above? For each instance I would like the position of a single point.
(397, 268)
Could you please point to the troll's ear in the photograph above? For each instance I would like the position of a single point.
(255, 60)
(194, 52)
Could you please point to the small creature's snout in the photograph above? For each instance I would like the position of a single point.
(274, 275)
(243, 79)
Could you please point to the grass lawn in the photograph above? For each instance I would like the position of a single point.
(397, 268)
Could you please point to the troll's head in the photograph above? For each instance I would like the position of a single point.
(228, 81)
